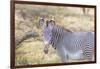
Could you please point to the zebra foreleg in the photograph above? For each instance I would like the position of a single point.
(62, 54)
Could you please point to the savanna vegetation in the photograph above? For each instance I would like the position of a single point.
(28, 42)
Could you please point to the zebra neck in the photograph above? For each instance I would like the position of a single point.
(57, 34)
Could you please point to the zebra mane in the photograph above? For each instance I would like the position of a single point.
(67, 30)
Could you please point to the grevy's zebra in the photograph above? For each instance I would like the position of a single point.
(69, 45)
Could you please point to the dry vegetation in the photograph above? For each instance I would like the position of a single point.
(30, 51)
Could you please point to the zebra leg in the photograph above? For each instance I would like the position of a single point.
(62, 54)
(89, 47)
(89, 54)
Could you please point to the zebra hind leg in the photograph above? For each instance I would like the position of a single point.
(88, 56)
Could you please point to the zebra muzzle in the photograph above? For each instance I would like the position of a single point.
(46, 49)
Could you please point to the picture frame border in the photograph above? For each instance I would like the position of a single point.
(12, 32)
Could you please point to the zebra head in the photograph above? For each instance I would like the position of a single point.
(46, 32)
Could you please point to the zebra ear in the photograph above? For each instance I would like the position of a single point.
(41, 22)
(51, 24)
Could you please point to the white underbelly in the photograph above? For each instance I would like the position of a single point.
(75, 55)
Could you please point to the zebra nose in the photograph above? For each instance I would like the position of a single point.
(46, 49)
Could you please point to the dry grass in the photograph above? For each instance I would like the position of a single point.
(30, 51)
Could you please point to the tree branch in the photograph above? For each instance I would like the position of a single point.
(25, 36)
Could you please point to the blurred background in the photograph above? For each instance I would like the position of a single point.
(28, 42)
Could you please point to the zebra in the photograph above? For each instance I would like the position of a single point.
(68, 44)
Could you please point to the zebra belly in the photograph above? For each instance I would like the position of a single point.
(75, 55)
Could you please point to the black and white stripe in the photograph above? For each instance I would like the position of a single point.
(78, 43)
(57, 33)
